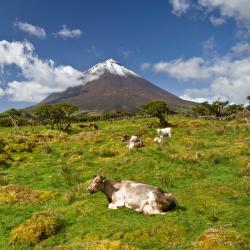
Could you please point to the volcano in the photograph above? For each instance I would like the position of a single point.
(110, 87)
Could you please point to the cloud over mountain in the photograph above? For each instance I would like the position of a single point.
(39, 77)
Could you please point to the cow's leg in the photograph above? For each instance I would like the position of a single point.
(143, 204)
(151, 206)
(149, 210)
(117, 204)
(112, 206)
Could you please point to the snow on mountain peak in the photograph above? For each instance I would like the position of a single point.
(109, 66)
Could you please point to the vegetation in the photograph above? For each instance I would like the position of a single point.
(40, 226)
(13, 115)
(217, 108)
(57, 116)
(205, 165)
(157, 109)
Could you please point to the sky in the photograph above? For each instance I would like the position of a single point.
(196, 49)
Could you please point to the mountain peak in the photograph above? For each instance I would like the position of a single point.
(111, 61)
(109, 66)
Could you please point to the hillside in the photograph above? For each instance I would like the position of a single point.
(204, 165)
(109, 86)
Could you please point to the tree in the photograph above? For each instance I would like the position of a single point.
(157, 109)
(203, 108)
(57, 116)
(218, 108)
(233, 109)
(45, 114)
(13, 115)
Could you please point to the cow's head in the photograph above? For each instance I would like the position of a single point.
(125, 138)
(97, 184)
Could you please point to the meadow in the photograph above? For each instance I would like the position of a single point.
(205, 165)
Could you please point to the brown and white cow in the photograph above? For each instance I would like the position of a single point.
(141, 197)
(132, 141)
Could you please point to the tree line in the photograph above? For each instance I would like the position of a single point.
(60, 116)
(219, 108)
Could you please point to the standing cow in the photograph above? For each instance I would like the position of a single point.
(164, 132)
(141, 197)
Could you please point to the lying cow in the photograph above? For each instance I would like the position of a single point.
(164, 132)
(133, 141)
(138, 196)
(127, 138)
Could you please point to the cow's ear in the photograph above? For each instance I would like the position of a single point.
(94, 176)
(103, 179)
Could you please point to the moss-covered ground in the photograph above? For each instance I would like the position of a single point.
(205, 165)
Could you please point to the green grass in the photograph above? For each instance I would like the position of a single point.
(204, 165)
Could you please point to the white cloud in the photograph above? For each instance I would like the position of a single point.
(41, 77)
(1, 92)
(192, 69)
(66, 32)
(242, 48)
(236, 9)
(180, 6)
(31, 29)
(145, 66)
(227, 77)
(217, 21)
(209, 48)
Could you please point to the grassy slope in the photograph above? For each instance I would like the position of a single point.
(210, 190)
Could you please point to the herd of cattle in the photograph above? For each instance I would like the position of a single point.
(135, 142)
(142, 198)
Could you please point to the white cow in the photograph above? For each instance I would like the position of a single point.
(159, 139)
(164, 132)
(141, 197)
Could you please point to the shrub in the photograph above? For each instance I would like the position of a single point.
(16, 194)
(40, 226)
(214, 238)
(102, 245)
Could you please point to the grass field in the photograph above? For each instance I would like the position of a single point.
(204, 165)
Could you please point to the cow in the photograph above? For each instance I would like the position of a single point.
(159, 139)
(133, 141)
(127, 138)
(164, 132)
(137, 144)
(142, 198)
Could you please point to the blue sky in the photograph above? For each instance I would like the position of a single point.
(198, 49)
